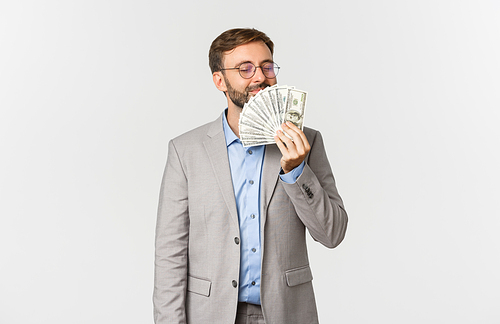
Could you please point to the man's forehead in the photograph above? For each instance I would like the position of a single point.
(255, 52)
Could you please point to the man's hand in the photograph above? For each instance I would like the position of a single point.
(293, 151)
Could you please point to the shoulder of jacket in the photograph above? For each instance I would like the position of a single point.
(311, 133)
(196, 135)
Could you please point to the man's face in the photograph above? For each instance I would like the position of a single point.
(240, 90)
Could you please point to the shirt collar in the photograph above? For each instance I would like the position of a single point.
(228, 132)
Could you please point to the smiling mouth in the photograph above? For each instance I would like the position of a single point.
(255, 91)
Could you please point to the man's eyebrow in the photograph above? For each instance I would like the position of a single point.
(267, 61)
(262, 62)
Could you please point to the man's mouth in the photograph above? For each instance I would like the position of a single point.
(256, 90)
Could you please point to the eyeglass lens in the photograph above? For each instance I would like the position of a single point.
(270, 70)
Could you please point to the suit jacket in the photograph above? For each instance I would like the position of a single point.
(197, 234)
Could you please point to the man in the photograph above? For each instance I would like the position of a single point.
(230, 235)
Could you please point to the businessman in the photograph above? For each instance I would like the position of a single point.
(230, 233)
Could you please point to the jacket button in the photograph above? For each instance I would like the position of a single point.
(235, 284)
(237, 240)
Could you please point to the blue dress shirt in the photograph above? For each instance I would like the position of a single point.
(246, 173)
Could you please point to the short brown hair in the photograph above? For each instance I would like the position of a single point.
(229, 40)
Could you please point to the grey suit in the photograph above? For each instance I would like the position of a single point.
(197, 233)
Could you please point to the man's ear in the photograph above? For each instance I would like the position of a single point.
(219, 81)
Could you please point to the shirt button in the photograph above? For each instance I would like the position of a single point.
(251, 181)
(237, 240)
(253, 250)
(235, 284)
(250, 152)
(252, 216)
(253, 283)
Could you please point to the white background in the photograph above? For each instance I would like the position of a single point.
(406, 94)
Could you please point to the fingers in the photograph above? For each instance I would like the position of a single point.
(280, 144)
(293, 149)
(291, 127)
(298, 136)
(285, 144)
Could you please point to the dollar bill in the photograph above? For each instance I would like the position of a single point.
(296, 106)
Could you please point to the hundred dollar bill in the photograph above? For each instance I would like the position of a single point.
(296, 106)
(257, 110)
(256, 143)
(245, 137)
(282, 99)
(264, 106)
(244, 129)
(252, 138)
(251, 118)
(249, 139)
(255, 129)
(271, 100)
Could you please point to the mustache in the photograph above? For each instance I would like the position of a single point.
(258, 86)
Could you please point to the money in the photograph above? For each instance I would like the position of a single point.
(263, 115)
(296, 106)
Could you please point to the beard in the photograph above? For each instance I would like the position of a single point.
(240, 98)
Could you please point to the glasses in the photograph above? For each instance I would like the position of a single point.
(247, 70)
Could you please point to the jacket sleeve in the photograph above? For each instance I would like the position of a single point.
(171, 245)
(316, 199)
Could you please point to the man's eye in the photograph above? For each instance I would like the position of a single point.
(246, 67)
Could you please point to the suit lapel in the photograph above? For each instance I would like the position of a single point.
(270, 174)
(215, 145)
(216, 148)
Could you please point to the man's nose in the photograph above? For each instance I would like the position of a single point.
(259, 75)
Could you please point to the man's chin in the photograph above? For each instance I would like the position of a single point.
(249, 96)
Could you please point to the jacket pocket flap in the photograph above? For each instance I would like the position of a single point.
(199, 286)
(298, 276)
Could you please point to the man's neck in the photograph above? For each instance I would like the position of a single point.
(233, 118)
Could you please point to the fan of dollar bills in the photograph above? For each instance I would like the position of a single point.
(264, 113)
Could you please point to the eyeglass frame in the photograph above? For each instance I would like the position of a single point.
(276, 67)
